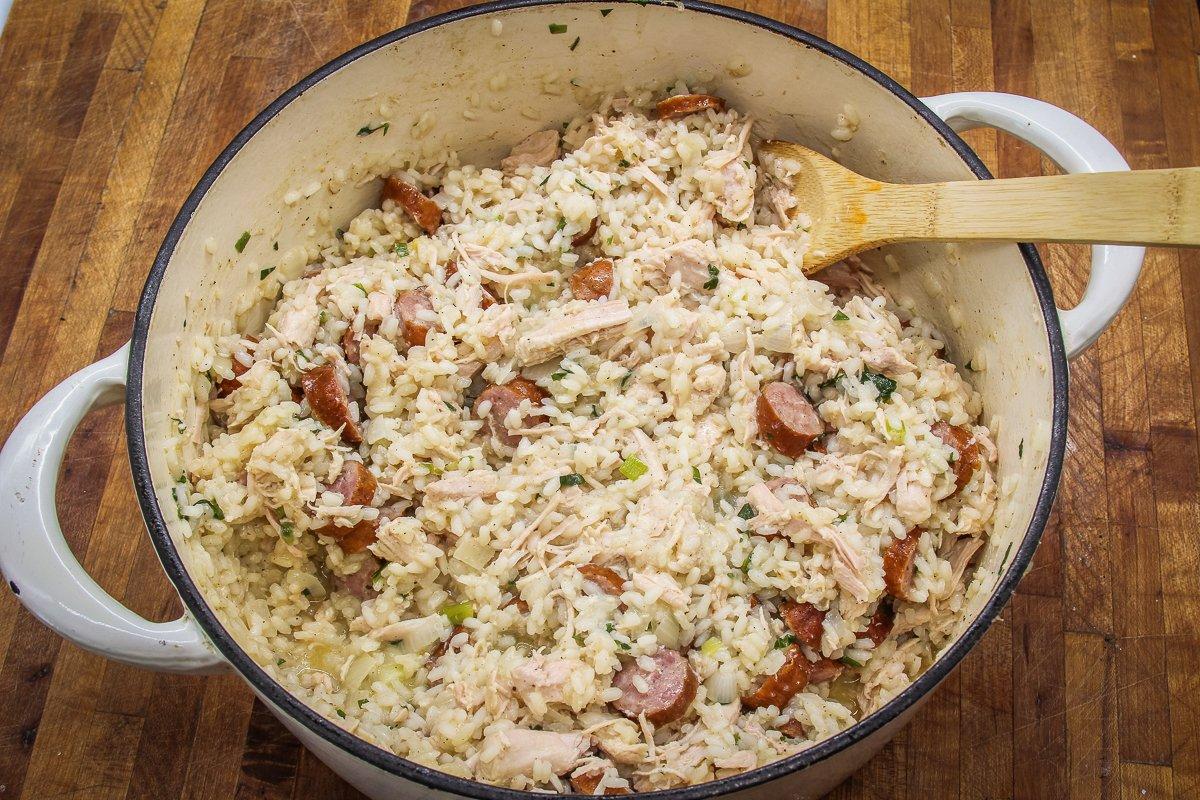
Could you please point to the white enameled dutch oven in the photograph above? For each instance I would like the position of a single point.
(479, 80)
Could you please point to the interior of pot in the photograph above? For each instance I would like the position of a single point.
(482, 83)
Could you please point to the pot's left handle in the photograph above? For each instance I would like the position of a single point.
(40, 568)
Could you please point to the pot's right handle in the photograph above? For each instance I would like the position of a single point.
(40, 568)
(1076, 147)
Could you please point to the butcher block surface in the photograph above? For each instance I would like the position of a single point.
(1088, 685)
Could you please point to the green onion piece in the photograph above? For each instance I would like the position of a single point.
(263, 273)
(785, 641)
(279, 662)
(625, 378)
(240, 244)
(322, 318)
(571, 479)
(696, 474)
(367, 130)
(832, 381)
(745, 567)
(840, 316)
(883, 384)
(604, 12)
(714, 274)
(633, 468)
(575, 43)
(377, 574)
(458, 612)
(287, 531)
(362, 289)
(556, 28)
(362, 702)
(850, 662)
(340, 713)
(400, 248)
(1021, 449)
(585, 186)
(747, 512)
(623, 164)
(843, 517)
(712, 645)
(580, 639)
(430, 468)
(562, 223)
(895, 433)
(558, 376)
(216, 509)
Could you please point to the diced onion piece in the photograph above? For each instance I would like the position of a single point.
(473, 553)
(712, 645)
(722, 686)
(356, 669)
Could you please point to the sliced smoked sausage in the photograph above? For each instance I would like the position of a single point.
(588, 781)
(359, 583)
(608, 580)
(881, 623)
(786, 420)
(805, 621)
(329, 402)
(899, 558)
(504, 398)
(682, 105)
(825, 670)
(355, 484)
(670, 688)
(966, 451)
(419, 207)
(593, 281)
(350, 346)
(586, 236)
(225, 386)
(352, 539)
(781, 687)
(415, 311)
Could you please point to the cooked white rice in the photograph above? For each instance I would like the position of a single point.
(673, 389)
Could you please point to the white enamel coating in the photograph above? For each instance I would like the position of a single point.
(486, 81)
(1074, 146)
(35, 557)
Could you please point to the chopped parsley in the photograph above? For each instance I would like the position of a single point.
(1021, 449)
(367, 130)
(377, 574)
(449, 406)
(840, 316)
(714, 274)
(263, 273)
(745, 567)
(883, 384)
(970, 366)
(279, 662)
(604, 12)
(585, 186)
(322, 318)
(340, 713)
(557, 28)
(558, 376)
(338, 234)
(400, 248)
(240, 244)
(213, 507)
(609, 627)
(274, 245)
(633, 468)
(623, 164)
(362, 289)
(1004, 560)
(362, 702)
(843, 517)
(850, 662)
(625, 378)
(747, 512)
(696, 474)
(575, 43)
(828, 384)
(571, 479)
(179, 426)
(580, 639)
(287, 531)
(785, 641)
(545, 180)
(562, 223)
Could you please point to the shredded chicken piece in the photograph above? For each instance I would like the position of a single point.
(848, 564)
(557, 336)
(546, 676)
(663, 585)
(521, 747)
(480, 483)
(689, 259)
(887, 360)
(535, 150)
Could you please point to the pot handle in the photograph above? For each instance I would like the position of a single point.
(1076, 147)
(38, 564)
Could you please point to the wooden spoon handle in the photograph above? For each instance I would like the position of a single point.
(1159, 206)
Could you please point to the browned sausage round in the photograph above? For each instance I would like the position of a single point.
(359, 583)
(681, 105)
(881, 623)
(518, 603)
(786, 420)
(586, 236)
(804, 620)
(825, 670)
(350, 345)
(781, 687)
(966, 451)
(415, 310)
(419, 207)
(793, 729)
(329, 402)
(352, 539)
(225, 386)
(608, 580)
(504, 398)
(588, 781)
(899, 558)
(671, 688)
(355, 484)
(593, 281)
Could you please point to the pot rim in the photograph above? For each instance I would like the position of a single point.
(431, 778)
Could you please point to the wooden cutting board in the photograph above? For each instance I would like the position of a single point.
(1086, 688)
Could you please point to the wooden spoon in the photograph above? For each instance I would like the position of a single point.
(851, 213)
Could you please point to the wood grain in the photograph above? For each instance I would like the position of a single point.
(1087, 687)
